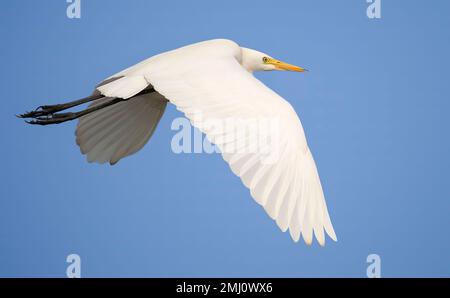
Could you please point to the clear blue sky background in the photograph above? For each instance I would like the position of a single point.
(375, 109)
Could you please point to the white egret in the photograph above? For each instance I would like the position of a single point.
(213, 78)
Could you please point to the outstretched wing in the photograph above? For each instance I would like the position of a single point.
(207, 83)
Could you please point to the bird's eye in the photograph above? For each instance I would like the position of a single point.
(265, 59)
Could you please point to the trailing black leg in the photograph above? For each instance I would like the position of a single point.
(51, 109)
(56, 118)
(45, 115)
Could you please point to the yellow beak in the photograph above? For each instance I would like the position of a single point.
(280, 65)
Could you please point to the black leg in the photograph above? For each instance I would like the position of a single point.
(45, 115)
(51, 109)
(56, 118)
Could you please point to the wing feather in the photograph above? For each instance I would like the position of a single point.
(206, 82)
(120, 130)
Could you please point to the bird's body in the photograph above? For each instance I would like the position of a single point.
(207, 81)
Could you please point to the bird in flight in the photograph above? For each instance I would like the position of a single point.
(214, 79)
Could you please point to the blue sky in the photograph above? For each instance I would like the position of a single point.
(374, 107)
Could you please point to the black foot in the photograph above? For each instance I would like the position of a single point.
(54, 118)
(43, 111)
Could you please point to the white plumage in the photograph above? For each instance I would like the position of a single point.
(213, 79)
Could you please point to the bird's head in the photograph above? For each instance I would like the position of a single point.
(255, 61)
